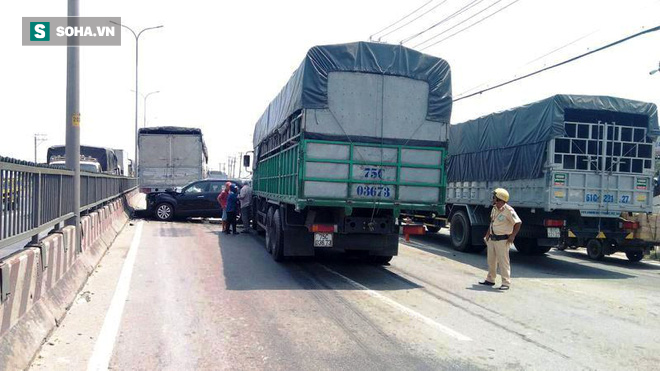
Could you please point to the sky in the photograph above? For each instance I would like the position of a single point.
(218, 64)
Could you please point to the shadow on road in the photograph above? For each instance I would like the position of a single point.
(549, 265)
(248, 266)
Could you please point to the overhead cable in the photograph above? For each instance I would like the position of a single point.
(654, 29)
(401, 19)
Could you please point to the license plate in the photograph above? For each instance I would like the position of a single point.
(322, 239)
(554, 233)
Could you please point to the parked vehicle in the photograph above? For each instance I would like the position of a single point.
(197, 199)
(357, 134)
(106, 157)
(572, 164)
(170, 157)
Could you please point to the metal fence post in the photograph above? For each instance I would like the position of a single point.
(36, 206)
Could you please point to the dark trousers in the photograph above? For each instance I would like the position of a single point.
(231, 221)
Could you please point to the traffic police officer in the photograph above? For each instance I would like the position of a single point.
(504, 226)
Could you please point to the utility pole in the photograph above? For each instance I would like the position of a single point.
(72, 149)
(137, 49)
(38, 139)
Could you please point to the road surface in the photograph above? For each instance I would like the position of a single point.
(182, 296)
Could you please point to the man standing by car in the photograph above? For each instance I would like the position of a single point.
(232, 205)
(222, 200)
(504, 226)
(245, 196)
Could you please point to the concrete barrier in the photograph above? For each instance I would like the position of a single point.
(40, 283)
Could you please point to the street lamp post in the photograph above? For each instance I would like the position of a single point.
(144, 106)
(137, 44)
(38, 139)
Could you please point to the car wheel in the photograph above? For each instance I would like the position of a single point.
(164, 211)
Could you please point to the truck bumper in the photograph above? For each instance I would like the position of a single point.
(299, 242)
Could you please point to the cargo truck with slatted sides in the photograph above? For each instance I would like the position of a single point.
(357, 135)
(575, 166)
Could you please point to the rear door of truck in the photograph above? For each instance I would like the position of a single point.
(602, 168)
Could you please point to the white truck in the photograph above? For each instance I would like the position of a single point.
(170, 157)
(574, 166)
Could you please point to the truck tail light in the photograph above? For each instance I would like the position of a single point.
(629, 225)
(145, 190)
(323, 228)
(554, 223)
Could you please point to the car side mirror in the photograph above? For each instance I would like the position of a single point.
(246, 161)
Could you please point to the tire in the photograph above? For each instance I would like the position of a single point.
(635, 256)
(595, 250)
(278, 238)
(380, 259)
(459, 231)
(269, 230)
(432, 229)
(164, 212)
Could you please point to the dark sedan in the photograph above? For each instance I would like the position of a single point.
(197, 199)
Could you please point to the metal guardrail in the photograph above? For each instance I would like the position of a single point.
(35, 198)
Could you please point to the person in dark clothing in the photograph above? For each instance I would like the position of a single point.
(232, 208)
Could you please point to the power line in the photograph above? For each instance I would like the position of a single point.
(412, 20)
(561, 47)
(451, 16)
(470, 26)
(401, 19)
(654, 29)
(458, 24)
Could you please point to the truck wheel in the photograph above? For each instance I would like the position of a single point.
(278, 238)
(634, 256)
(269, 230)
(595, 250)
(459, 231)
(432, 229)
(164, 212)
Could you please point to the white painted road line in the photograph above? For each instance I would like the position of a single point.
(105, 342)
(444, 329)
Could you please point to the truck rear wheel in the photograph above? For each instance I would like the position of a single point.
(459, 231)
(595, 250)
(278, 238)
(269, 230)
(634, 256)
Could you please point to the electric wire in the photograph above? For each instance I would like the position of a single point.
(470, 26)
(448, 18)
(650, 30)
(400, 19)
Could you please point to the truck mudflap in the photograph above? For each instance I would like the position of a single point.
(300, 242)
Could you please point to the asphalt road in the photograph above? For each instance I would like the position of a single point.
(197, 299)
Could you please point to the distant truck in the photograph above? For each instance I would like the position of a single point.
(122, 162)
(105, 157)
(170, 157)
(573, 165)
(357, 135)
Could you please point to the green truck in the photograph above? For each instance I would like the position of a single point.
(356, 137)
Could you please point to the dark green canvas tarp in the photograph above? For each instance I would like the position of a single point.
(307, 88)
(512, 144)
